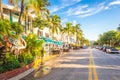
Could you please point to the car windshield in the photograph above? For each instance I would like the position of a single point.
(114, 49)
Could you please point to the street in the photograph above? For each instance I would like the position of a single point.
(83, 64)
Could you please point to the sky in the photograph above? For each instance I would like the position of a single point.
(95, 16)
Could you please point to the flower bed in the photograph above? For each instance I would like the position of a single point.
(9, 74)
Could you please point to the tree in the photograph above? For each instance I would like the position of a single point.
(21, 11)
(26, 15)
(78, 32)
(40, 23)
(17, 27)
(118, 28)
(39, 7)
(108, 38)
(5, 27)
(95, 43)
(86, 42)
(68, 29)
(1, 9)
(55, 24)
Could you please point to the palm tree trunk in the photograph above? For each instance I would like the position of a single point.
(25, 24)
(21, 12)
(31, 28)
(68, 38)
(1, 9)
(28, 24)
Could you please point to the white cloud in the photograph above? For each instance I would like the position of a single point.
(93, 10)
(107, 7)
(74, 22)
(86, 10)
(77, 10)
(64, 3)
(117, 2)
(54, 9)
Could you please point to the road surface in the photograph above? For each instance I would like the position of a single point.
(83, 64)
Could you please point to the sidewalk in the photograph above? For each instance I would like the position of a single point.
(32, 71)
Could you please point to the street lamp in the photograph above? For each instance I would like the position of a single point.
(42, 55)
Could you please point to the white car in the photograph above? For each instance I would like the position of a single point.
(112, 50)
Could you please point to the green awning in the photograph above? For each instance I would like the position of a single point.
(48, 40)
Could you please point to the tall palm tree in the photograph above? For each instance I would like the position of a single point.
(68, 29)
(38, 22)
(21, 10)
(78, 32)
(16, 3)
(26, 15)
(1, 9)
(39, 7)
(55, 24)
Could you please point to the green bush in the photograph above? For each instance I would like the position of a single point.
(25, 58)
(34, 44)
(10, 63)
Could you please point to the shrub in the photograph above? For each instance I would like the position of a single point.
(25, 58)
(10, 63)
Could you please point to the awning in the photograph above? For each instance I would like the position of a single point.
(48, 40)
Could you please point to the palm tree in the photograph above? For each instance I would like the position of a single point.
(39, 7)
(55, 24)
(15, 2)
(26, 15)
(38, 22)
(21, 11)
(1, 9)
(78, 32)
(17, 27)
(68, 29)
(5, 28)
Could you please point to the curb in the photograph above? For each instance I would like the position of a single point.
(27, 72)
(22, 74)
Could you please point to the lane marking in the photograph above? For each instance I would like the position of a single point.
(92, 69)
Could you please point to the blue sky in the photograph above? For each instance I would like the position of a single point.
(95, 16)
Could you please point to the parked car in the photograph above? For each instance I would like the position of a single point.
(105, 48)
(100, 47)
(65, 48)
(112, 50)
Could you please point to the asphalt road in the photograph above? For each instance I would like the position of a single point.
(83, 64)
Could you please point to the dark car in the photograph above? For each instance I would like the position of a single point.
(101, 47)
(112, 50)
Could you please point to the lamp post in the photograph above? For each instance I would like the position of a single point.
(42, 55)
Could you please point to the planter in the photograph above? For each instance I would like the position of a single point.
(9, 74)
